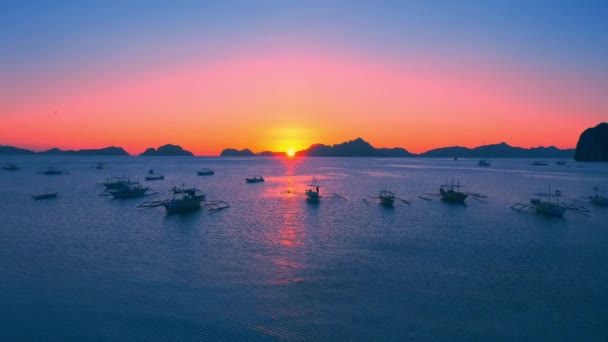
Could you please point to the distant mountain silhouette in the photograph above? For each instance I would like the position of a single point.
(14, 150)
(232, 152)
(167, 150)
(502, 150)
(593, 144)
(106, 151)
(353, 148)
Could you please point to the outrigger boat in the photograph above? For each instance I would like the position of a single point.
(484, 162)
(548, 204)
(113, 183)
(130, 191)
(539, 163)
(596, 199)
(312, 193)
(255, 179)
(205, 172)
(386, 198)
(52, 171)
(43, 196)
(185, 200)
(450, 193)
(152, 177)
(10, 167)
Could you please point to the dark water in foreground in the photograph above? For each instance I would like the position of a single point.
(272, 267)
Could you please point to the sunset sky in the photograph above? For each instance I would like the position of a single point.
(279, 75)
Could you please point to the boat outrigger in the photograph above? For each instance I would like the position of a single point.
(255, 179)
(52, 171)
(152, 176)
(10, 167)
(205, 172)
(185, 200)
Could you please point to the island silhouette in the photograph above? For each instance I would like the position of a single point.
(592, 146)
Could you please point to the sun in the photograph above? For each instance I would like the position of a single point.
(290, 152)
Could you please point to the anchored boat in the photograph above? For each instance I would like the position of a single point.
(451, 193)
(152, 176)
(312, 193)
(254, 179)
(10, 167)
(205, 172)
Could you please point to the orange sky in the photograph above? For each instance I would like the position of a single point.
(290, 97)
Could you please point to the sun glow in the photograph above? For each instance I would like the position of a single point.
(290, 152)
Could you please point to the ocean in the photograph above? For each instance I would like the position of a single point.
(273, 267)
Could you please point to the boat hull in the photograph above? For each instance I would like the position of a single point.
(549, 209)
(454, 197)
(44, 196)
(182, 206)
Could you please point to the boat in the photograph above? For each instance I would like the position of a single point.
(451, 193)
(117, 183)
(598, 199)
(539, 163)
(129, 191)
(43, 196)
(255, 179)
(100, 166)
(312, 193)
(52, 171)
(205, 172)
(560, 163)
(543, 203)
(152, 177)
(184, 200)
(484, 162)
(387, 198)
(10, 167)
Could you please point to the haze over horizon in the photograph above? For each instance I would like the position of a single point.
(275, 75)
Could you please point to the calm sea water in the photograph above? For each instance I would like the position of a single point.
(273, 267)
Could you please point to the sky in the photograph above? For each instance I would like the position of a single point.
(280, 75)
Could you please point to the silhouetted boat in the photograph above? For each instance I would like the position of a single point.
(544, 204)
(43, 196)
(451, 193)
(130, 191)
(184, 200)
(117, 183)
(100, 166)
(152, 177)
(312, 193)
(205, 172)
(484, 162)
(539, 163)
(387, 198)
(598, 199)
(52, 171)
(10, 167)
(255, 179)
